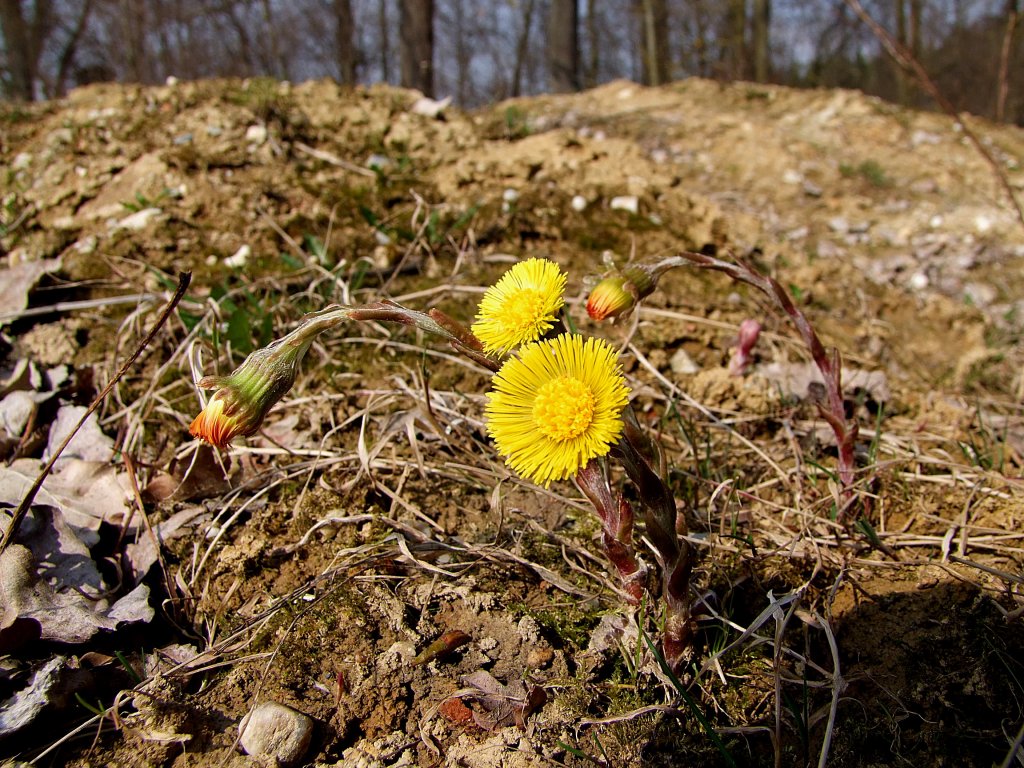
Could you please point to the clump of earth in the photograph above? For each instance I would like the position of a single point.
(313, 563)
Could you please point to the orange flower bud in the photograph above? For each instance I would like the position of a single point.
(244, 398)
(610, 299)
(620, 291)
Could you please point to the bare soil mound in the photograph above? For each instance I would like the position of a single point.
(313, 562)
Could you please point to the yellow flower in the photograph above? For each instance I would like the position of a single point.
(557, 406)
(521, 306)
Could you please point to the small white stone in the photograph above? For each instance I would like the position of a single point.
(21, 161)
(982, 223)
(838, 224)
(792, 177)
(138, 220)
(681, 363)
(239, 258)
(579, 203)
(256, 134)
(919, 281)
(430, 107)
(629, 203)
(919, 137)
(935, 221)
(276, 731)
(510, 195)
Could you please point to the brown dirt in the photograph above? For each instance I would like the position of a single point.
(888, 227)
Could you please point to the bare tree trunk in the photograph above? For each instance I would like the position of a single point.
(734, 45)
(385, 41)
(915, 28)
(21, 67)
(522, 49)
(245, 48)
(593, 34)
(416, 44)
(161, 21)
(1003, 88)
(345, 36)
(134, 25)
(761, 31)
(278, 63)
(463, 54)
(67, 56)
(654, 41)
(700, 32)
(904, 40)
(563, 52)
(23, 41)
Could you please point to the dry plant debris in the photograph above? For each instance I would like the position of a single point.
(368, 514)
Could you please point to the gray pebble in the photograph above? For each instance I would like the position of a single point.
(277, 731)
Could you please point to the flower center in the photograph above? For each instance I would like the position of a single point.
(563, 408)
(523, 308)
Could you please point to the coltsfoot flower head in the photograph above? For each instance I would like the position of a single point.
(244, 398)
(557, 406)
(521, 306)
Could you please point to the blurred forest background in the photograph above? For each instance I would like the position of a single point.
(480, 51)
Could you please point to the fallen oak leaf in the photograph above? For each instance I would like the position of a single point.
(503, 705)
(86, 493)
(62, 614)
(198, 476)
(18, 281)
(51, 687)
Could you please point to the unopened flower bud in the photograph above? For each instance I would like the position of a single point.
(244, 398)
(750, 330)
(620, 291)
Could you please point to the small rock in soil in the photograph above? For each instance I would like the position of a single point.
(277, 731)
(681, 363)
